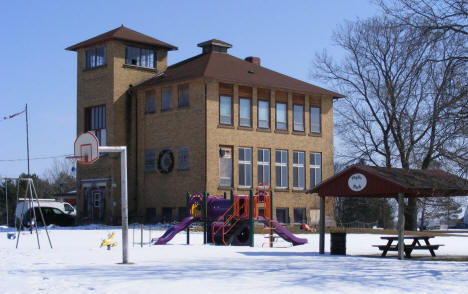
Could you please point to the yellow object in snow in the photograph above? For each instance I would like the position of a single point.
(109, 242)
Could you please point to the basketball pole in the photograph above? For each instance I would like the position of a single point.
(123, 189)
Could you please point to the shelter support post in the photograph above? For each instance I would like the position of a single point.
(401, 225)
(322, 225)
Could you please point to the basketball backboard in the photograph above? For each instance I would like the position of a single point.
(86, 148)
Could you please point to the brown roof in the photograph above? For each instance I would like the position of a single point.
(388, 182)
(227, 68)
(215, 42)
(124, 34)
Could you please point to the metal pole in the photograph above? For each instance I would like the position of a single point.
(271, 219)
(322, 226)
(205, 235)
(27, 136)
(40, 212)
(141, 237)
(187, 200)
(6, 201)
(34, 212)
(124, 197)
(123, 180)
(401, 225)
(251, 221)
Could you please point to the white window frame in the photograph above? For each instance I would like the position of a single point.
(283, 167)
(225, 156)
(263, 164)
(300, 168)
(245, 165)
(315, 169)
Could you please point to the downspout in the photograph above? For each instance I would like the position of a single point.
(136, 153)
(206, 141)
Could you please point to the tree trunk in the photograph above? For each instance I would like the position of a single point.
(411, 211)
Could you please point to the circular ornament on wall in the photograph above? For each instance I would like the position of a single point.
(165, 161)
(357, 182)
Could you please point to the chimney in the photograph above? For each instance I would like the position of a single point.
(214, 45)
(254, 60)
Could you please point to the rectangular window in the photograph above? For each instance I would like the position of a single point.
(183, 95)
(245, 118)
(281, 116)
(263, 166)
(245, 167)
(300, 215)
(298, 118)
(150, 106)
(298, 170)
(282, 215)
(183, 158)
(167, 215)
(281, 169)
(95, 57)
(150, 160)
(182, 213)
(139, 57)
(315, 119)
(263, 114)
(225, 166)
(225, 110)
(315, 165)
(95, 122)
(166, 96)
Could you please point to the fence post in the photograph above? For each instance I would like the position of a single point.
(251, 221)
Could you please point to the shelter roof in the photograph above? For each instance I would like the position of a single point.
(371, 181)
(124, 34)
(227, 68)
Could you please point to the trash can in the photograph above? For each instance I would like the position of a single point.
(338, 243)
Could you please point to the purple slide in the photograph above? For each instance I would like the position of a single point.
(172, 231)
(282, 232)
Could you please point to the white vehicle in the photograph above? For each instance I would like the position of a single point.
(465, 219)
(55, 212)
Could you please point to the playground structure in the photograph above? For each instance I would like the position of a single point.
(231, 221)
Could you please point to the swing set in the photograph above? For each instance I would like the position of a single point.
(30, 198)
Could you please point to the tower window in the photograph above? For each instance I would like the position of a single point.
(95, 57)
(95, 122)
(139, 57)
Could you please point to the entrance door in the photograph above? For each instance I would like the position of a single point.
(95, 204)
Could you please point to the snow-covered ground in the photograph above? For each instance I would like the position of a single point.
(78, 265)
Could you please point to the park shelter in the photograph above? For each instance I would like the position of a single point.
(372, 181)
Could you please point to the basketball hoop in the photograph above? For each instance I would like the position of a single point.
(86, 149)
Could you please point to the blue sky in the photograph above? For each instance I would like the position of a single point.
(37, 70)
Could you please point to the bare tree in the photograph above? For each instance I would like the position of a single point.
(438, 18)
(60, 176)
(401, 106)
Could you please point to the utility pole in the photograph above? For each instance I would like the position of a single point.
(27, 137)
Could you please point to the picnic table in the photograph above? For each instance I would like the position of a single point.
(408, 248)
